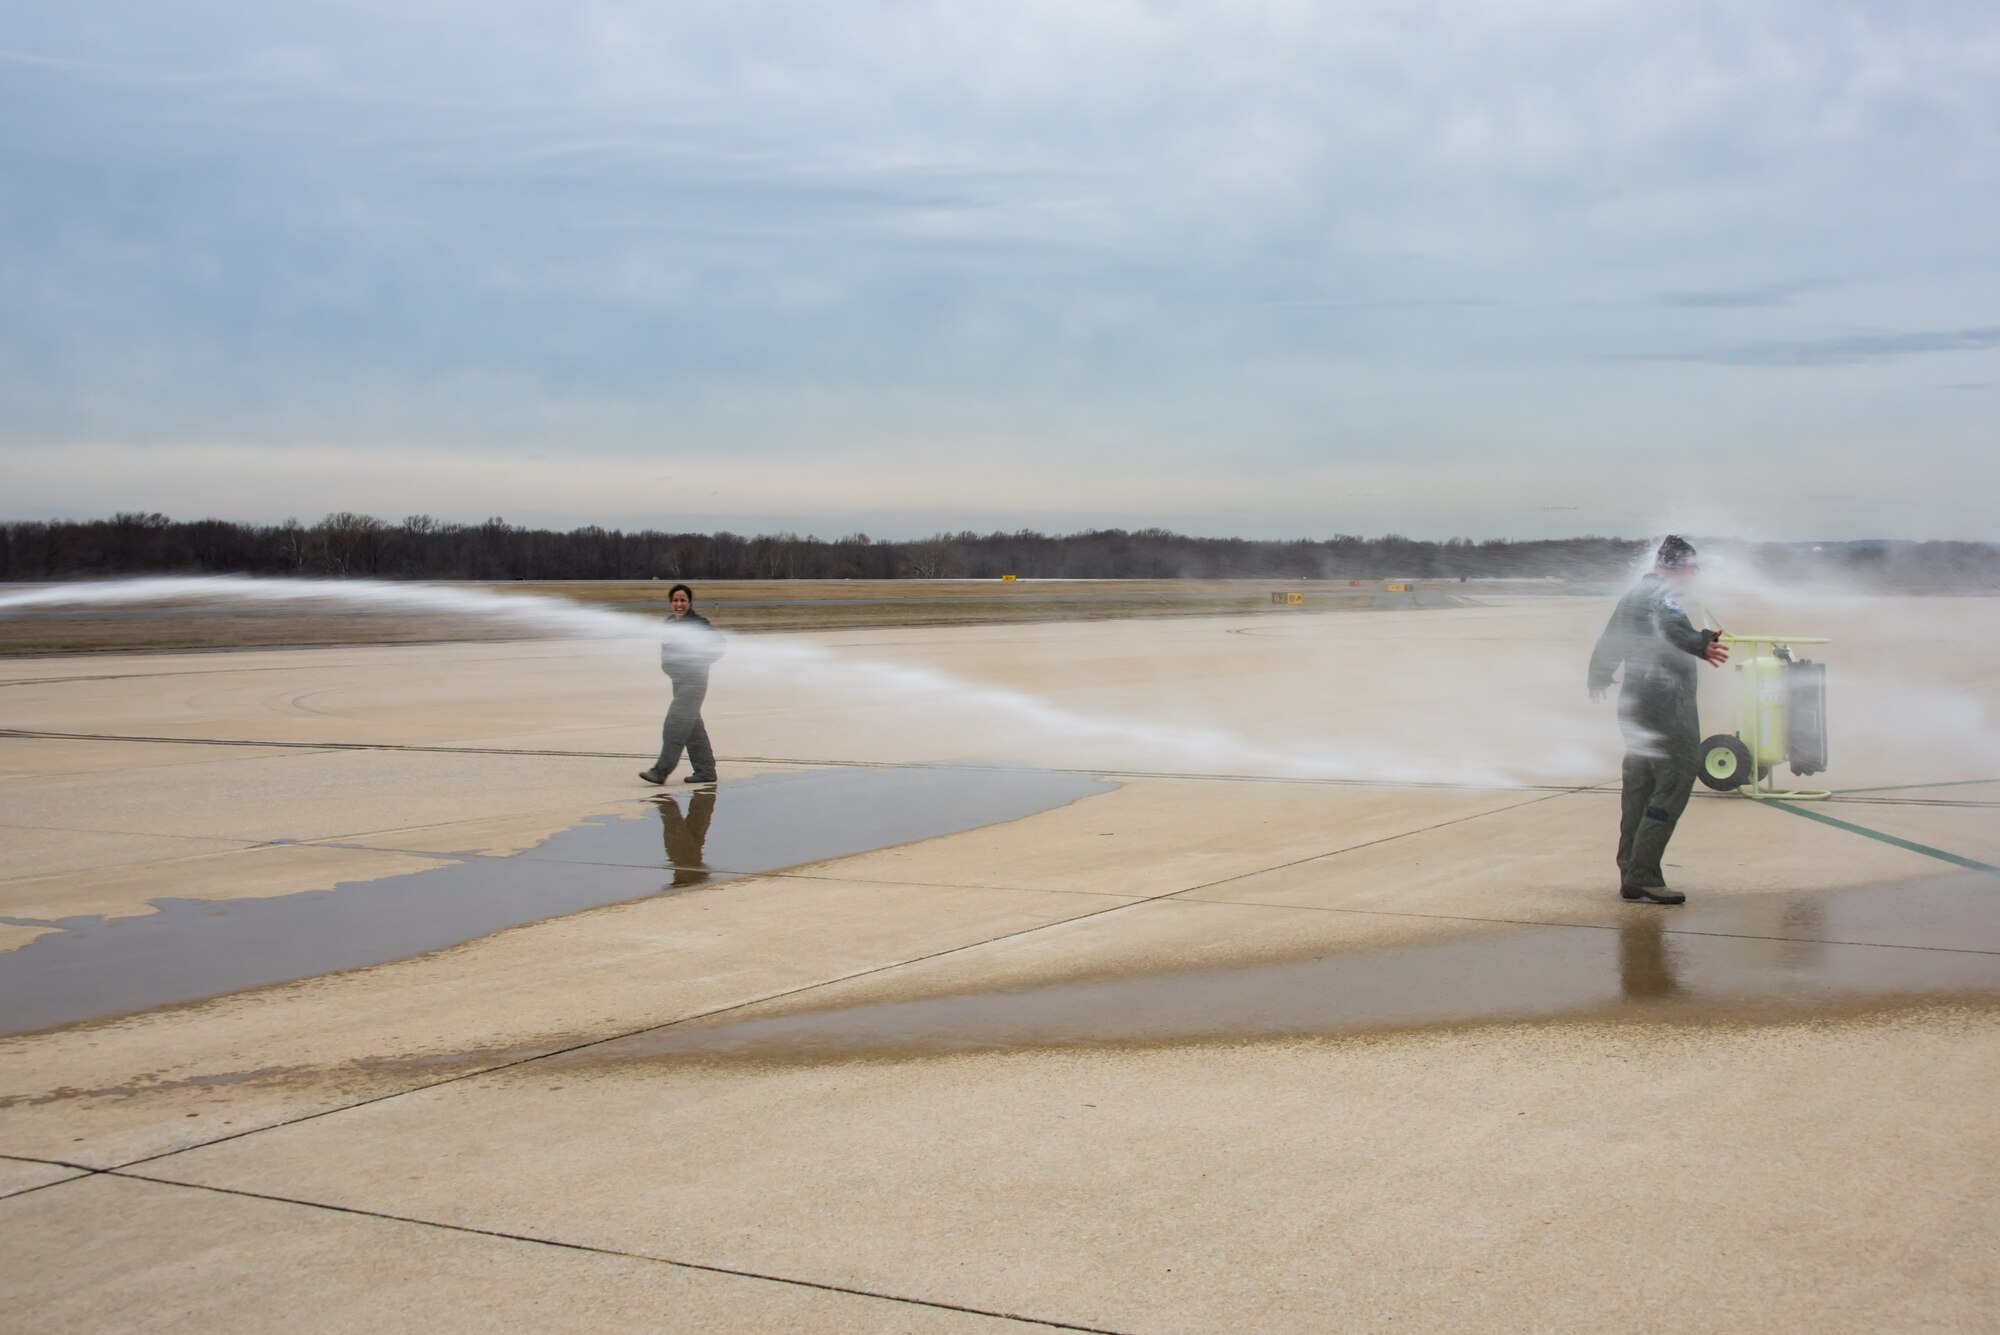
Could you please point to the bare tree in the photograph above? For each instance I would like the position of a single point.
(934, 558)
(347, 543)
(294, 545)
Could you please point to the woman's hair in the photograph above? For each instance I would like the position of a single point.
(680, 588)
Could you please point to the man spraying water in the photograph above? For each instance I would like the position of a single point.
(1650, 634)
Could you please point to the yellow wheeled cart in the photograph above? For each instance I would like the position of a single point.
(1780, 706)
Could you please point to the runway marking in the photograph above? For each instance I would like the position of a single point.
(1881, 837)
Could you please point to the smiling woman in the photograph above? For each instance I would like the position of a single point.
(689, 646)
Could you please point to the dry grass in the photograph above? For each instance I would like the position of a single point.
(741, 605)
(206, 628)
(820, 604)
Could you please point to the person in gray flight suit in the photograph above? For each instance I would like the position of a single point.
(688, 645)
(1651, 636)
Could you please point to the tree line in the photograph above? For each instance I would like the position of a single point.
(420, 547)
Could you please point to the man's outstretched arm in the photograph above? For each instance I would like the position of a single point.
(1681, 633)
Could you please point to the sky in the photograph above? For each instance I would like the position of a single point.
(1266, 268)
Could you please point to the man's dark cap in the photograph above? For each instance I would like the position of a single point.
(1675, 551)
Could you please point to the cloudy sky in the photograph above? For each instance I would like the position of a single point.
(1281, 269)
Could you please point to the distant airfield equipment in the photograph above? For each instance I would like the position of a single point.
(1779, 701)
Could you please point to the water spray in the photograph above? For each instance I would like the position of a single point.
(1010, 712)
(1490, 720)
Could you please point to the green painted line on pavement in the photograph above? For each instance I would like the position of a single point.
(1880, 837)
(1911, 787)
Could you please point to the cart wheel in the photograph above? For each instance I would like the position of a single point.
(1725, 763)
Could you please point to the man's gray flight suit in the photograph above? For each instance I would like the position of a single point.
(1650, 634)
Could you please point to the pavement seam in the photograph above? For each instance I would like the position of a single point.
(1126, 903)
(1588, 926)
(82, 1171)
(617, 1037)
(28, 734)
(719, 873)
(59, 1182)
(32, 878)
(1907, 787)
(32, 734)
(137, 676)
(1955, 803)
(935, 885)
(716, 875)
(503, 1235)
(774, 996)
(52, 1163)
(845, 978)
(135, 834)
(1385, 839)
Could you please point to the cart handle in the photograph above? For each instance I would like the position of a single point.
(1708, 618)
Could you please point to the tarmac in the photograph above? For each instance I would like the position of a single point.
(927, 1020)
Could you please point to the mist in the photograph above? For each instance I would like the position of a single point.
(1487, 695)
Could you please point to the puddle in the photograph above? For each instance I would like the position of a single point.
(781, 820)
(1746, 959)
(193, 948)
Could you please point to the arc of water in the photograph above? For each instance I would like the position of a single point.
(1175, 743)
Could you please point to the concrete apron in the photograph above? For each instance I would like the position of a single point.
(1193, 1054)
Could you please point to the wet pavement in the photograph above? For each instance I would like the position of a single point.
(189, 948)
(1209, 1050)
(1751, 959)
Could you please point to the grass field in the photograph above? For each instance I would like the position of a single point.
(743, 605)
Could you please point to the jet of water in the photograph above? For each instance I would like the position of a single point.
(1003, 714)
(1504, 710)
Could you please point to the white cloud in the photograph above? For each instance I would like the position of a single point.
(907, 491)
(1248, 239)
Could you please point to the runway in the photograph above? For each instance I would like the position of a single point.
(941, 1022)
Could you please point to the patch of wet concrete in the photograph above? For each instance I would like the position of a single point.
(90, 967)
(1750, 959)
(782, 820)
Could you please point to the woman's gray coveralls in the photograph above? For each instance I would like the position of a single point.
(1651, 635)
(688, 645)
